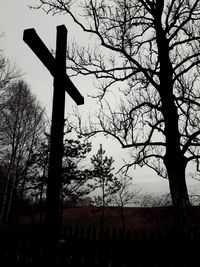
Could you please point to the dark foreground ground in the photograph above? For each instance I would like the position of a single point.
(146, 241)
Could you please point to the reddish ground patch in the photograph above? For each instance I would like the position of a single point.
(135, 218)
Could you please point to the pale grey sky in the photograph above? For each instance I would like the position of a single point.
(15, 16)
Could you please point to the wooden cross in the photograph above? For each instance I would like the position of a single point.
(62, 83)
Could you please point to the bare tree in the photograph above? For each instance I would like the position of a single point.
(22, 124)
(8, 72)
(153, 47)
(125, 196)
(153, 200)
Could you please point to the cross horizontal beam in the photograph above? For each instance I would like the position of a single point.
(31, 38)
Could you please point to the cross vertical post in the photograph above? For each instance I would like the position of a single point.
(62, 83)
(56, 140)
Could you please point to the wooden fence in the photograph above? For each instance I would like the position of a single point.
(87, 247)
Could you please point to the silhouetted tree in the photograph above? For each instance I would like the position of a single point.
(104, 179)
(38, 172)
(2, 183)
(22, 123)
(153, 200)
(152, 46)
(76, 177)
(8, 74)
(126, 195)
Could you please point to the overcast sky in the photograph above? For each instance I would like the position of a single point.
(15, 16)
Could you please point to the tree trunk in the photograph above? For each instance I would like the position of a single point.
(179, 194)
(175, 162)
(177, 182)
(103, 205)
(122, 217)
(8, 189)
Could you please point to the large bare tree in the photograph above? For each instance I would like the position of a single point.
(148, 51)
